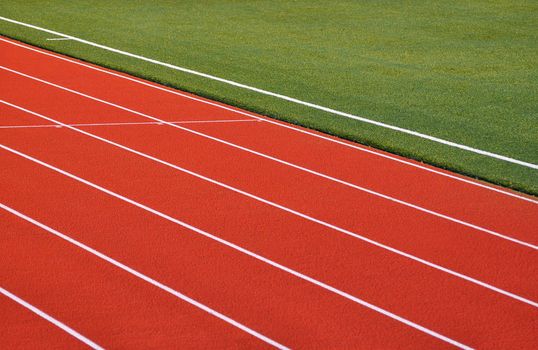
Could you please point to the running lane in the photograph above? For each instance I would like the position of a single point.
(275, 303)
(452, 245)
(16, 321)
(100, 301)
(447, 304)
(387, 174)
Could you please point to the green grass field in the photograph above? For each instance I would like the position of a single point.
(464, 71)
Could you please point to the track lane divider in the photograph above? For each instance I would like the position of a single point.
(219, 240)
(295, 166)
(144, 277)
(48, 317)
(278, 206)
(274, 122)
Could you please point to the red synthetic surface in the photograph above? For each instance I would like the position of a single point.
(116, 309)
(15, 323)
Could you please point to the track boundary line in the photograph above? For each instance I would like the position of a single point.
(361, 148)
(48, 317)
(286, 98)
(146, 278)
(132, 123)
(242, 250)
(327, 177)
(286, 209)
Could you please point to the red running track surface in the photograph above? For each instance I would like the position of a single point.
(309, 241)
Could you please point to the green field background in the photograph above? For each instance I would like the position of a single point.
(464, 71)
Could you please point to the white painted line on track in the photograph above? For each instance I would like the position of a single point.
(281, 207)
(242, 250)
(144, 277)
(327, 177)
(48, 317)
(132, 123)
(378, 153)
(286, 98)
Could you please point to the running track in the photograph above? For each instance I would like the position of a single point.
(138, 216)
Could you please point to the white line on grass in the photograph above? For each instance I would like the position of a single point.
(286, 98)
(132, 123)
(143, 277)
(242, 250)
(46, 316)
(372, 192)
(281, 207)
(57, 39)
(280, 124)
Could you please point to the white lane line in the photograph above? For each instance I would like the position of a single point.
(295, 166)
(244, 251)
(57, 39)
(357, 147)
(49, 318)
(145, 278)
(287, 98)
(293, 212)
(133, 123)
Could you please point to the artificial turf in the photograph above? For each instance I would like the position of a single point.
(464, 71)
